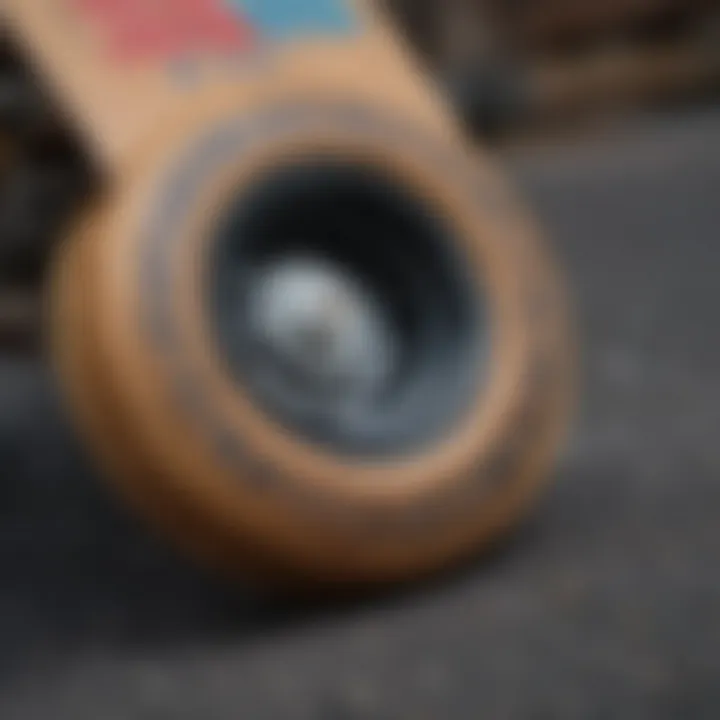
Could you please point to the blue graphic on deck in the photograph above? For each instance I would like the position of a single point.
(282, 19)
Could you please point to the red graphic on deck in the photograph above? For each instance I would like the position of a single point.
(159, 30)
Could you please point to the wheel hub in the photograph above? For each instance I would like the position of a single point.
(323, 325)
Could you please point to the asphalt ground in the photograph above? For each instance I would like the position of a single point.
(606, 605)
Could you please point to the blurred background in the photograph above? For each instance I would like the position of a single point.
(607, 604)
(517, 63)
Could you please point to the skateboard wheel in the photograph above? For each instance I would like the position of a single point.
(317, 345)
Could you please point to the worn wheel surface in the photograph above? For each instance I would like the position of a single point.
(316, 346)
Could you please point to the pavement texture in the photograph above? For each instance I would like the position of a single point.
(606, 605)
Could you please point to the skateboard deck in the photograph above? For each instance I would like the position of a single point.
(117, 67)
